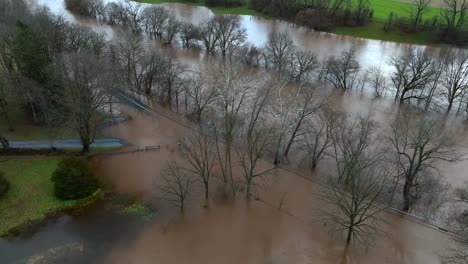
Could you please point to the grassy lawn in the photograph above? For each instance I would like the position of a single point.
(31, 195)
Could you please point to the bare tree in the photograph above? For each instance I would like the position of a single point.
(416, 149)
(278, 50)
(417, 11)
(302, 63)
(202, 96)
(171, 30)
(155, 20)
(306, 103)
(229, 33)
(354, 143)
(133, 12)
(200, 152)
(454, 76)
(459, 226)
(255, 141)
(189, 33)
(412, 72)
(355, 210)
(171, 79)
(377, 81)
(342, 72)
(129, 53)
(317, 138)
(84, 78)
(177, 185)
(208, 36)
(234, 85)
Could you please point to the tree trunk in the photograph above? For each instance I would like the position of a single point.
(4, 142)
(407, 196)
(349, 236)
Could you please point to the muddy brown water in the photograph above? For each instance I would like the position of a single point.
(231, 232)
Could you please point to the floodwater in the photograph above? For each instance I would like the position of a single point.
(231, 232)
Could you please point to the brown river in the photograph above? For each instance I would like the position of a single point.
(231, 232)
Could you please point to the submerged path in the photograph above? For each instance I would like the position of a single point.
(62, 144)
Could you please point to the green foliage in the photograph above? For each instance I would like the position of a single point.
(4, 185)
(73, 179)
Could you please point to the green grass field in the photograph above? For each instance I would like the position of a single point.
(375, 30)
(31, 195)
(382, 10)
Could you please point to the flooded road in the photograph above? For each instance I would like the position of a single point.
(231, 232)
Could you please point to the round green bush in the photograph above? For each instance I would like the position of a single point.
(73, 179)
(4, 185)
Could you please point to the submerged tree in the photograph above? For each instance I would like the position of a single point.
(354, 141)
(454, 76)
(342, 72)
(354, 209)
(200, 152)
(459, 223)
(317, 138)
(416, 148)
(177, 186)
(413, 70)
(234, 86)
(255, 142)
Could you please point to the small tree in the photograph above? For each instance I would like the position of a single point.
(177, 185)
(354, 210)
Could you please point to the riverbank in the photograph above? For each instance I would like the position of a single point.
(31, 199)
(373, 30)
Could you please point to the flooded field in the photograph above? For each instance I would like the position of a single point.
(281, 225)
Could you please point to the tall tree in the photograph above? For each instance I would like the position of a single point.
(416, 149)
(200, 152)
(454, 76)
(354, 209)
(229, 33)
(255, 141)
(84, 79)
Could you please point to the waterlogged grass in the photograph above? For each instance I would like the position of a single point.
(375, 31)
(31, 196)
(125, 206)
(59, 254)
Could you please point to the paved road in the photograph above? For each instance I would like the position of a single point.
(113, 142)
